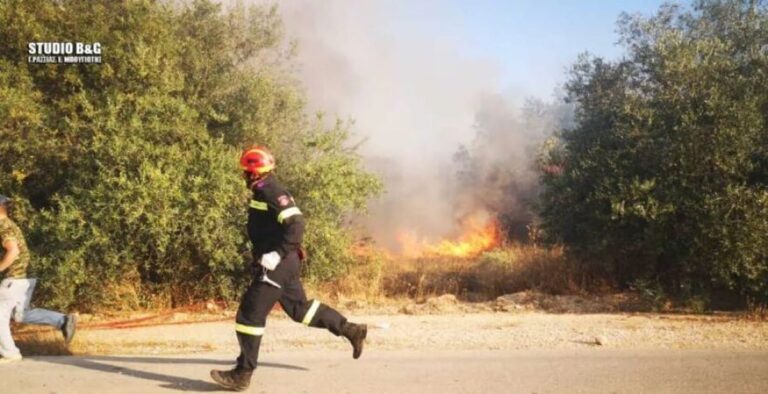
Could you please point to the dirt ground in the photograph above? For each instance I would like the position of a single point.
(438, 324)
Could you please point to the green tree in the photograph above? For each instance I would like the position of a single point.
(664, 176)
(125, 173)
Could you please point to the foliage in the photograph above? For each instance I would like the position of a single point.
(664, 178)
(125, 172)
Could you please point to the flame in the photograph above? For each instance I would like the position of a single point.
(478, 234)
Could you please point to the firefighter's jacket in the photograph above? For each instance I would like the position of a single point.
(275, 223)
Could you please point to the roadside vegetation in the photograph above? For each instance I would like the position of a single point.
(662, 184)
(483, 277)
(658, 186)
(125, 179)
(124, 173)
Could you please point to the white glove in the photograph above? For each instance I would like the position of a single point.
(270, 260)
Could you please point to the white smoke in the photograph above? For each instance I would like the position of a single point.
(415, 99)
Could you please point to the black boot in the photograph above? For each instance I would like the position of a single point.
(356, 334)
(235, 379)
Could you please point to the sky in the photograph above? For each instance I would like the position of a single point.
(415, 72)
(531, 42)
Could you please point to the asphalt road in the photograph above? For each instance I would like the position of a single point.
(525, 371)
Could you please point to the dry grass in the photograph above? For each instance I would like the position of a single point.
(494, 273)
(509, 269)
(362, 282)
(108, 335)
(50, 343)
(39, 342)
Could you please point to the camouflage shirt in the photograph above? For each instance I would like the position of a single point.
(8, 231)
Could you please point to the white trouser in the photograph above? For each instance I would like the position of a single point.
(15, 295)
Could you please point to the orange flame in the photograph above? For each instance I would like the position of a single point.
(477, 235)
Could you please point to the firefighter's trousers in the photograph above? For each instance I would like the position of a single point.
(261, 296)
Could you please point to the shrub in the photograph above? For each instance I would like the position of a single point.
(663, 178)
(125, 172)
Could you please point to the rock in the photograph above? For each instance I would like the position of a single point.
(445, 299)
(355, 304)
(514, 302)
(444, 303)
(600, 340)
(507, 307)
(410, 309)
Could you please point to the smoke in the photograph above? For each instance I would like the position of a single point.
(411, 96)
(498, 169)
(416, 98)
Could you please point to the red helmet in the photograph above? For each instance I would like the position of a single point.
(257, 160)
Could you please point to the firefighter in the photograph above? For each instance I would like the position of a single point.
(276, 228)
(16, 290)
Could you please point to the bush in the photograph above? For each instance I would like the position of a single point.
(664, 177)
(126, 172)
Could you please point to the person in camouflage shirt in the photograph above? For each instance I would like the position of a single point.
(16, 289)
(9, 232)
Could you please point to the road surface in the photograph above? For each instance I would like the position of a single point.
(596, 370)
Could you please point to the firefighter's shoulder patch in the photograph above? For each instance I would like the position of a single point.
(284, 200)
